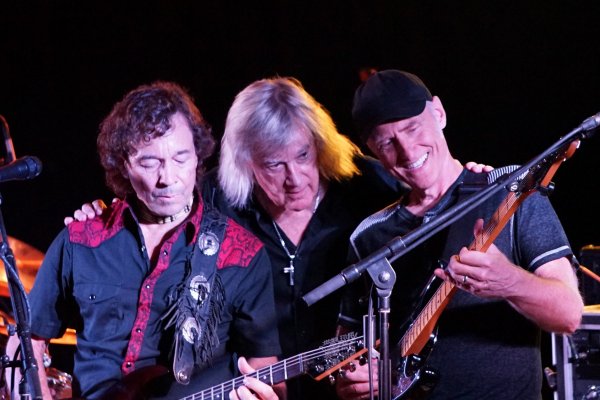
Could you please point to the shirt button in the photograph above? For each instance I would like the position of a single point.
(147, 286)
(128, 364)
(165, 252)
(138, 330)
(143, 248)
(92, 297)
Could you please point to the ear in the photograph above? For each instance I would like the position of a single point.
(439, 112)
(124, 169)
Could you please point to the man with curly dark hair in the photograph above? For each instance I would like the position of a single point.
(161, 278)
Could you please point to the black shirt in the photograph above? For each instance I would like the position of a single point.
(320, 255)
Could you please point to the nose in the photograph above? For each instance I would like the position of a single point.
(403, 147)
(292, 176)
(167, 175)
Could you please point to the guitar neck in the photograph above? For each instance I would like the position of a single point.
(417, 335)
(540, 175)
(271, 375)
(314, 362)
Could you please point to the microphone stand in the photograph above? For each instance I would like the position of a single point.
(384, 278)
(20, 307)
(31, 387)
(399, 246)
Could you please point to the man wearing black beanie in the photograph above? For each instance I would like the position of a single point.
(488, 338)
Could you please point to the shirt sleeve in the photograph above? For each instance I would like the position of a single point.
(540, 237)
(49, 296)
(354, 297)
(255, 323)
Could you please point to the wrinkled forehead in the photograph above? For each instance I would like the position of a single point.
(177, 138)
(398, 126)
(296, 138)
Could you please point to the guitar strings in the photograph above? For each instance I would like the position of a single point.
(278, 367)
(409, 337)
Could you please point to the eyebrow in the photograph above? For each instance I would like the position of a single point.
(410, 125)
(153, 157)
(304, 148)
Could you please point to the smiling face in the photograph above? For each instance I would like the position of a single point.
(414, 149)
(289, 177)
(163, 171)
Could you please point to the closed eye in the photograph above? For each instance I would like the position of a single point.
(385, 144)
(149, 163)
(273, 166)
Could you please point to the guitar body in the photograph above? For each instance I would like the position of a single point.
(136, 385)
(412, 379)
(415, 386)
(318, 363)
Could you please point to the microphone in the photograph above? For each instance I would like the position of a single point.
(590, 124)
(27, 167)
(8, 143)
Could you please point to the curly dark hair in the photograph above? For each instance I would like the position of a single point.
(142, 115)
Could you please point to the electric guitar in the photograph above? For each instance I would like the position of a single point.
(318, 363)
(420, 337)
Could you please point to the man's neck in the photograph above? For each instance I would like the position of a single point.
(156, 229)
(147, 217)
(420, 201)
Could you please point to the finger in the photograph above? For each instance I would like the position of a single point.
(478, 227)
(98, 206)
(80, 216)
(472, 166)
(456, 270)
(233, 395)
(357, 391)
(440, 273)
(260, 389)
(88, 210)
(68, 220)
(244, 367)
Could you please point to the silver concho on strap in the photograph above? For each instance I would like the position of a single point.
(199, 288)
(208, 243)
(190, 330)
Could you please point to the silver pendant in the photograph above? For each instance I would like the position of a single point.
(199, 288)
(208, 243)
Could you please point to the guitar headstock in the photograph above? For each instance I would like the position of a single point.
(334, 354)
(539, 177)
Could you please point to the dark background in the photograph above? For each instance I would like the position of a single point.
(513, 75)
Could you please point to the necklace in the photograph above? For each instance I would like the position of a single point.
(145, 215)
(290, 270)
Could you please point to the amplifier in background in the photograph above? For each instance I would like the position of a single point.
(577, 359)
(589, 257)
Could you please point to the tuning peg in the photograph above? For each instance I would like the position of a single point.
(331, 380)
(352, 367)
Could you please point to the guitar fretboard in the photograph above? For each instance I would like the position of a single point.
(418, 333)
(289, 368)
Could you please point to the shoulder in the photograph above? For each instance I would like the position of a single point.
(239, 246)
(94, 232)
(370, 227)
(373, 188)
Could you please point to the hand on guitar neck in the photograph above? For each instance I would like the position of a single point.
(485, 274)
(548, 296)
(353, 384)
(253, 388)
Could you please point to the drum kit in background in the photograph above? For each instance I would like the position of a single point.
(28, 261)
